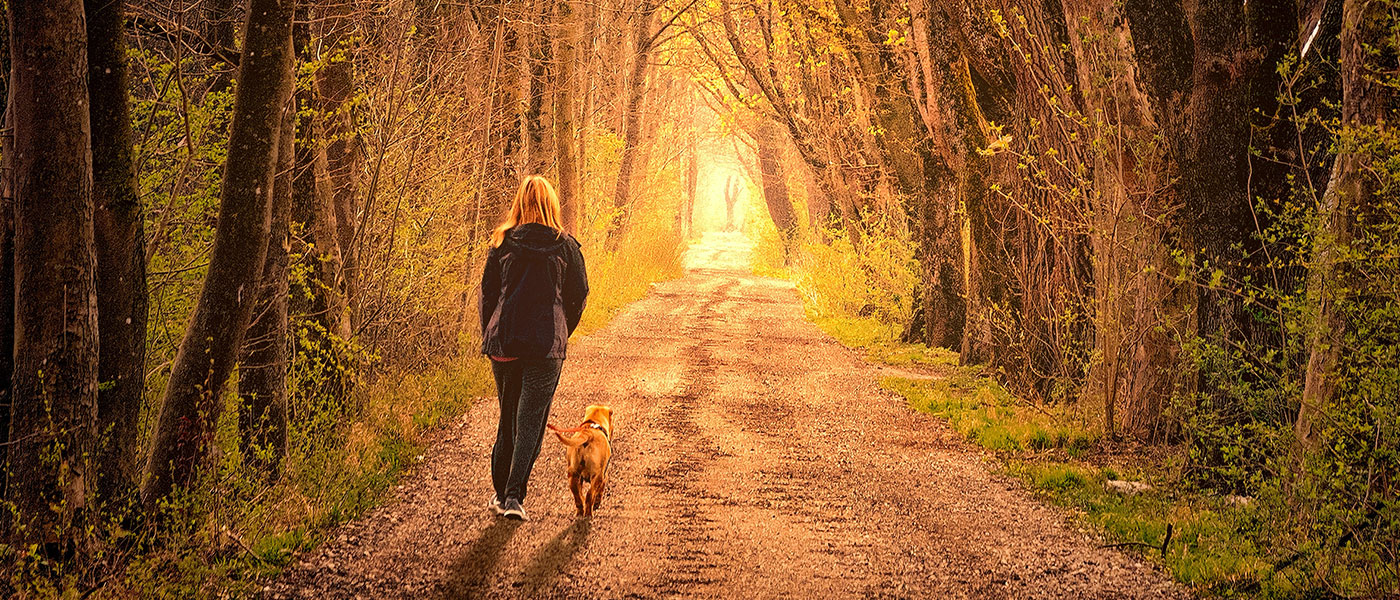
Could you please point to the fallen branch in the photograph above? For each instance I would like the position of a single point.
(1166, 540)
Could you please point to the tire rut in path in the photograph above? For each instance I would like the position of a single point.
(752, 457)
(688, 528)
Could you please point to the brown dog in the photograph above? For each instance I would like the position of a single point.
(588, 450)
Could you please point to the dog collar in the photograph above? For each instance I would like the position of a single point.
(598, 427)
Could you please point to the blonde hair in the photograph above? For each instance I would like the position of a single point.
(535, 202)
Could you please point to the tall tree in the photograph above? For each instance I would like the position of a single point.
(262, 362)
(642, 41)
(732, 193)
(313, 207)
(335, 86)
(565, 126)
(540, 56)
(1350, 193)
(774, 184)
(1208, 67)
(7, 264)
(692, 170)
(921, 149)
(54, 407)
(1131, 367)
(190, 409)
(121, 257)
(221, 33)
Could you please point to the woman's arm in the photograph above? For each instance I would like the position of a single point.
(490, 288)
(575, 287)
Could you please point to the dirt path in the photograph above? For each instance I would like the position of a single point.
(753, 457)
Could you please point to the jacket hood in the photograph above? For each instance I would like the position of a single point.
(537, 238)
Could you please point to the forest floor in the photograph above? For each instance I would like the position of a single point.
(753, 456)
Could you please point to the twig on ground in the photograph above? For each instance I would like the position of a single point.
(1166, 540)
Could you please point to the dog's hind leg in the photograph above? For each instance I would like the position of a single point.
(576, 486)
(595, 493)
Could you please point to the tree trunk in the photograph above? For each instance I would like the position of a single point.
(731, 198)
(692, 174)
(262, 364)
(190, 409)
(1207, 70)
(540, 57)
(505, 147)
(928, 165)
(221, 30)
(565, 128)
(1351, 189)
(54, 411)
(335, 87)
(632, 111)
(314, 211)
(1123, 227)
(7, 268)
(121, 257)
(775, 188)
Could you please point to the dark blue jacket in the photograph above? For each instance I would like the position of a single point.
(533, 291)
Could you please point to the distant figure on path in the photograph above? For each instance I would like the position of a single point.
(533, 291)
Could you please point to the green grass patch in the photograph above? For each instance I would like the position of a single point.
(1213, 546)
(982, 411)
(880, 343)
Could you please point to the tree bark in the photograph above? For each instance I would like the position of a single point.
(927, 165)
(692, 174)
(7, 268)
(1123, 227)
(540, 56)
(1350, 191)
(1207, 70)
(335, 87)
(121, 257)
(190, 409)
(775, 188)
(565, 127)
(54, 411)
(221, 30)
(632, 111)
(314, 212)
(262, 364)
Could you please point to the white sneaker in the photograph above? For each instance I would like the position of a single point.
(495, 506)
(513, 510)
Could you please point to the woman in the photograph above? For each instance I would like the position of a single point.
(532, 295)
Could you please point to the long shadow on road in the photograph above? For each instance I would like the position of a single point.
(552, 559)
(476, 563)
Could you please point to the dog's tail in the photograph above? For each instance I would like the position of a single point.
(570, 440)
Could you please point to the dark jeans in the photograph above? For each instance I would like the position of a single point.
(525, 388)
